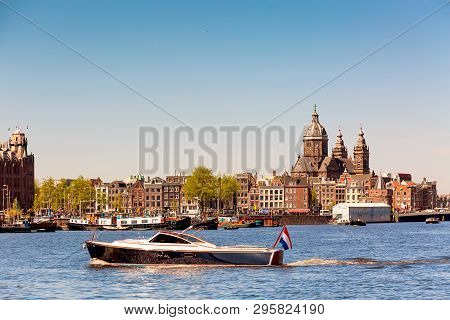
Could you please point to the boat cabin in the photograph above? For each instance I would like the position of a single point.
(179, 238)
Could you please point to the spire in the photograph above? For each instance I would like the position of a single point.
(380, 183)
(339, 150)
(361, 154)
(315, 115)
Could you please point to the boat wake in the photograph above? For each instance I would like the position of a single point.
(301, 263)
(365, 262)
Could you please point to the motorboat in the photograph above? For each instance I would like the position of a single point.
(169, 248)
(432, 220)
(358, 223)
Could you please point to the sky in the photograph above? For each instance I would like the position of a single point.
(224, 63)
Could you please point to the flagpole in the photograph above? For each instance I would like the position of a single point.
(279, 236)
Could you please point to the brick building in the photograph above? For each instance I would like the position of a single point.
(172, 194)
(154, 196)
(404, 197)
(379, 193)
(246, 181)
(315, 161)
(296, 195)
(16, 172)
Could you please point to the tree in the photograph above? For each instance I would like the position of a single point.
(36, 204)
(101, 200)
(80, 193)
(59, 195)
(117, 202)
(228, 187)
(315, 200)
(46, 194)
(200, 185)
(15, 212)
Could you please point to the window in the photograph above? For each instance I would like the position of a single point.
(165, 238)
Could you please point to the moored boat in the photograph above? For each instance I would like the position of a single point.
(43, 226)
(432, 220)
(82, 225)
(168, 247)
(358, 223)
(230, 227)
(209, 224)
(17, 227)
(114, 228)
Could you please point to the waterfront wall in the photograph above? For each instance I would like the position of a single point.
(304, 220)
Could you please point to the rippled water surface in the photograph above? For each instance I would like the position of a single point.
(380, 261)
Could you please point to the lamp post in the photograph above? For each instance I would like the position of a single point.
(6, 188)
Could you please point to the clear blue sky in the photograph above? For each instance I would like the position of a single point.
(222, 63)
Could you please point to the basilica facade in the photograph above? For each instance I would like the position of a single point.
(317, 163)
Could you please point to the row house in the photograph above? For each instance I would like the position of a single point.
(245, 180)
(154, 196)
(380, 193)
(443, 201)
(296, 195)
(117, 192)
(404, 197)
(172, 193)
(102, 197)
(253, 198)
(136, 198)
(325, 191)
(271, 195)
(426, 197)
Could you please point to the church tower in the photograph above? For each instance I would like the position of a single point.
(18, 144)
(361, 155)
(339, 150)
(315, 140)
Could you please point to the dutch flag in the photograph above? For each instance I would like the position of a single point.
(285, 239)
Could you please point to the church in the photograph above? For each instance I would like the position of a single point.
(316, 163)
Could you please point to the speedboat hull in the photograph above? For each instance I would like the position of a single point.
(132, 256)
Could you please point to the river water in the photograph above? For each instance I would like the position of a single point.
(380, 261)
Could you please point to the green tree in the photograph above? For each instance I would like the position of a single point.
(45, 199)
(80, 194)
(15, 212)
(228, 187)
(101, 200)
(36, 204)
(201, 185)
(117, 202)
(59, 195)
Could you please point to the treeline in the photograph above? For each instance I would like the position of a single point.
(64, 195)
(204, 186)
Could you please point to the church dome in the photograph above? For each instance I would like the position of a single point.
(315, 130)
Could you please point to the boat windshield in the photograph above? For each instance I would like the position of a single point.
(175, 238)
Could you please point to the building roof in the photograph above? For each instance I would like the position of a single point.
(315, 129)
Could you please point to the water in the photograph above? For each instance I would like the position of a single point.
(380, 261)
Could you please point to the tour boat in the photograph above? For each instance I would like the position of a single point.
(169, 248)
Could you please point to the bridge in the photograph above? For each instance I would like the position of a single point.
(422, 216)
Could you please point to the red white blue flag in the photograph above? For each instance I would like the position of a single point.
(285, 239)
